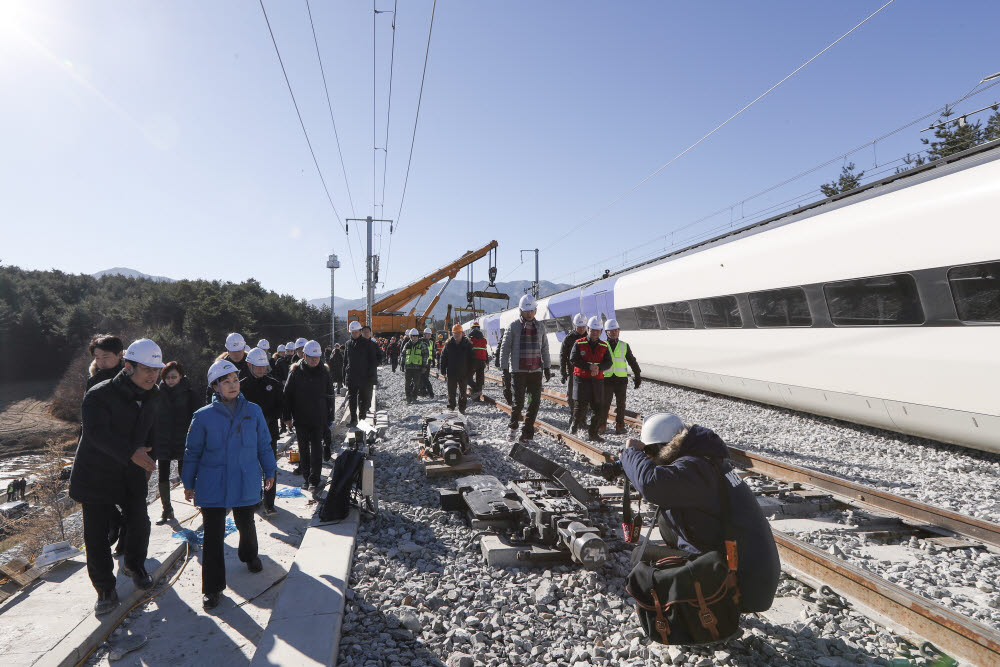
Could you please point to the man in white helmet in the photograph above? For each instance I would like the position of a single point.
(309, 405)
(616, 377)
(299, 349)
(687, 473)
(360, 364)
(590, 358)
(113, 465)
(264, 344)
(525, 354)
(415, 358)
(565, 369)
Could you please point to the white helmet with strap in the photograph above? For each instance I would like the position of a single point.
(235, 342)
(145, 352)
(257, 357)
(220, 369)
(579, 320)
(594, 323)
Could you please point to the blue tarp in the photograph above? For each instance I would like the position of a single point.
(198, 537)
(290, 492)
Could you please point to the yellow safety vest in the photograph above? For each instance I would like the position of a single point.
(618, 365)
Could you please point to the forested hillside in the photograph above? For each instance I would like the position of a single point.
(48, 317)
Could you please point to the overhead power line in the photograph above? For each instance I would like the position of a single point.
(299, 114)
(416, 120)
(716, 128)
(329, 106)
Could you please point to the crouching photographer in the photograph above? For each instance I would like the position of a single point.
(705, 510)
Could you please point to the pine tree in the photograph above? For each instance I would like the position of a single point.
(953, 137)
(848, 181)
(992, 130)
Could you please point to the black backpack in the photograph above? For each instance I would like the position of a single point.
(689, 600)
(345, 478)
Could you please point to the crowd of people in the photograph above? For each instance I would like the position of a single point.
(16, 489)
(140, 414)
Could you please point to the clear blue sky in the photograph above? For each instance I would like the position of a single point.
(161, 136)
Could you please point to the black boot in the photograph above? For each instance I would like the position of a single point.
(167, 516)
(210, 601)
(106, 602)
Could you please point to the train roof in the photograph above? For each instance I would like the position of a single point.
(972, 157)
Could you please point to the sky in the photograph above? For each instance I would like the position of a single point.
(161, 136)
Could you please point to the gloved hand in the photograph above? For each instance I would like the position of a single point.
(548, 374)
(637, 381)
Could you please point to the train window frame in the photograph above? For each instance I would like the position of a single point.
(794, 289)
(731, 310)
(647, 311)
(959, 299)
(900, 278)
(626, 319)
(665, 318)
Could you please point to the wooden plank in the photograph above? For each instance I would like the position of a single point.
(436, 467)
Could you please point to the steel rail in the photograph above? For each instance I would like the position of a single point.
(906, 508)
(562, 399)
(594, 454)
(895, 607)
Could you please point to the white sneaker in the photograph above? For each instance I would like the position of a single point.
(513, 435)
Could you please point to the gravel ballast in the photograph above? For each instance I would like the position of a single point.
(422, 594)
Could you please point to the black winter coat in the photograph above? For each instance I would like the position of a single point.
(174, 409)
(566, 350)
(102, 375)
(114, 426)
(308, 396)
(279, 369)
(360, 361)
(266, 392)
(337, 364)
(456, 358)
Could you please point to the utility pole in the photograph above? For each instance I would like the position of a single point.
(370, 267)
(534, 285)
(333, 264)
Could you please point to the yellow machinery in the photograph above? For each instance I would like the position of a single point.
(386, 314)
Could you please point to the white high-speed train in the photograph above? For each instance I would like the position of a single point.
(880, 306)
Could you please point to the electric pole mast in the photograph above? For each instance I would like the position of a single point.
(371, 266)
(534, 285)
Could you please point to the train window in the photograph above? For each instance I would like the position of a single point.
(676, 315)
(976, 290)
(877, 301)
(646, 317)
(720, 312)
(626, 318)
(565, 322)
(786, 307)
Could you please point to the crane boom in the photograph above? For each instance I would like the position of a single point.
(382, 310)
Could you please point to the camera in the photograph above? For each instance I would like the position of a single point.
(611, 470)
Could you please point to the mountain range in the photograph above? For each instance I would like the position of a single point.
(454, 295)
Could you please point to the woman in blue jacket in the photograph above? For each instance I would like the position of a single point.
(228, 446)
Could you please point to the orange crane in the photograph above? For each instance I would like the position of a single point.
(386, 314)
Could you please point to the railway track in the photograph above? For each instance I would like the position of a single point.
(930, 625)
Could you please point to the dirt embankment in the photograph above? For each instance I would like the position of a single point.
(25, 420)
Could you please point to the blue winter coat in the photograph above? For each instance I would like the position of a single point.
(687, 493)
(226, 454)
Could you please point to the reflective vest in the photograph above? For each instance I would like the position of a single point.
(618, 365)
(479, 346)
(591, 356)
(416, 354)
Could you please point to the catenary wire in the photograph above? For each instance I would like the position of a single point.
(298, 113)
(413, 139)
(714, 130)
(329, 106)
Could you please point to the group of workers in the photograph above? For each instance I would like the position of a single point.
(140, 413)
(16, 489)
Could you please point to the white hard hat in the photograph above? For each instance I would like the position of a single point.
(611, 324)
(414, 332)
(579, 320)
(281, 347)
(354, 326)
(264, 344)
(257, 357)
(220, 369)
(594, 323)
(428, 330)
(660, 428)
(527, 302)
(235, 342)
(300, 342)
(247, 348)
(145, 352)
(312, 349)
(289, 346)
